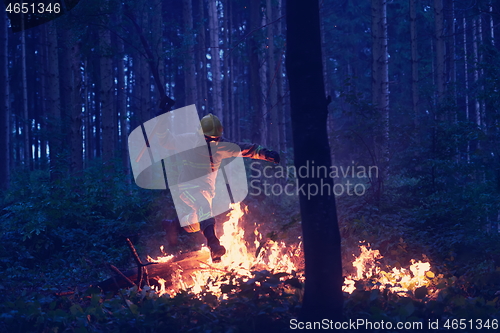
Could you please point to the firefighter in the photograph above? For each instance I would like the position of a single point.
(198, 195)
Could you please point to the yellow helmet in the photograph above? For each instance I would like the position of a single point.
(211, 125)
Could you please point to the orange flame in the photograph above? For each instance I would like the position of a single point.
(239, 259)
(279, 257)
(396, 280)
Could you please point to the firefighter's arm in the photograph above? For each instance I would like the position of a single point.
(258, 152)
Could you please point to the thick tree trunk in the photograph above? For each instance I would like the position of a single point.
(189, 56)
(121, 100)
(157, 45)
(273, 128)
(483, 125)
(414, 61)
(66, 87)
(256, 98)
(440, 49)
(466, 81)
(107, 96)
(89, 143)
(323, 296)
(263, 70)
(213, 26)
(53, 98)
(71, 101)
(202, 102)
(380, 85)
(226, 74)
(451, 78)
(95, 116)
(145, 77)
(492, 26)
(466, 70)
(282, 118)
(42, 112)
(4, 105)
(26, 120)
(76, 138)
(231, 77)
(475, 59)
(380, 65)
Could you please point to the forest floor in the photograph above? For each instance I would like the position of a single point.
(53, 243)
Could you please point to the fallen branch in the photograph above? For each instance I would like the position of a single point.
(123, 276)
(187, 262)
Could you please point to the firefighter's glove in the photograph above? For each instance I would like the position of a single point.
(272, 156)
(195, 227)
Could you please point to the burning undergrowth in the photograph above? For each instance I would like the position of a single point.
(252, 255)
(249, 253)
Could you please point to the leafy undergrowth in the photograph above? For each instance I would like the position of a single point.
(259, 304)
(264, 303)
(56, 237)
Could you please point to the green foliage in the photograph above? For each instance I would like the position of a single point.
(80, 216)
(262, 303)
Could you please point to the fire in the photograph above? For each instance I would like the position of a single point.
(277, 256)
(396, 280)
(239, 259)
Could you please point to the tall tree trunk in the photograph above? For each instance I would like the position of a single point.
(17, 136)
(201, 59)
(466, 70)
(32, 77)
(26, 121)
(451, 66)
(145, 76)
(226, 72)
(95, 116)
(66, 90)
(323, 296)
(466, 81)
(256, 100)
(231, 76)
(380, 83)
(263, 70)
(89, 143)
(53, 101)
(157, 43)
(440, 49)
(42, 112)
(272, 79)
(451, 78)
(492, 26)
(475, 59)
(76, 155)
(106, 94)
(71, 99)
(4, 105)
(414, 62)
(213, 26)
(326, 77)
(189, 55)
(121, 98)
(481, 74)
(282, 118)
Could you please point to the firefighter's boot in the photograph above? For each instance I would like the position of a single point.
(216, 250)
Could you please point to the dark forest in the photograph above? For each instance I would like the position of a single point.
(368, 134)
